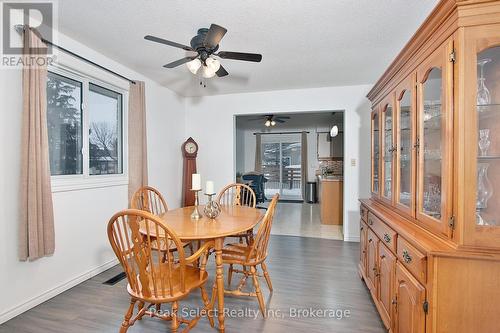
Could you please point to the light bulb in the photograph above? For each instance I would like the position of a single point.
(213, 64)
(268, 123)
(273, 123)
(194, 65)
(207, 72)
(334, 131)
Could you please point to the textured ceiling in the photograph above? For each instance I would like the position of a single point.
(304, 44)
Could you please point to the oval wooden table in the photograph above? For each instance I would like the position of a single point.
(232, 220)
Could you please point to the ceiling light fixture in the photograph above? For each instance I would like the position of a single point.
(194, 65)
(210, 67)
(273, 123)
(268, 123)
(334, 131)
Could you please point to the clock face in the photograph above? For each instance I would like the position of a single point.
(190, 148)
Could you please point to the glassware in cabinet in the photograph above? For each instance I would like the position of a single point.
(435, 140)
(405, 142)
(375, 159)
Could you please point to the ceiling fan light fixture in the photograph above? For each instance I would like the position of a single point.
(194, 65)
(268, 123)
(207, 72)
(334, 131)
(213, 64)
(273, 123)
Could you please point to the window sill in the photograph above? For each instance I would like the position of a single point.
(63, 184)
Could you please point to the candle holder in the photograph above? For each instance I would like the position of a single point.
(212, 208)
(196, 215)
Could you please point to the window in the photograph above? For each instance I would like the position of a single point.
(105, 113)
(64, 122)
(85, 122)
(281, 165)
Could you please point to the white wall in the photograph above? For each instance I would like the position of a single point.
(82, 248)
(210, 121)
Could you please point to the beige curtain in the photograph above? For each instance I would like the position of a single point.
(303, 163)
(258, 153)
(36, 223)
(137, 140)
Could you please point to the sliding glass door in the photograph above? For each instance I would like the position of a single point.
(281, 165)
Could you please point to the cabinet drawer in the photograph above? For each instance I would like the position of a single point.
(383, 231)
(364, 213)
(413, 259)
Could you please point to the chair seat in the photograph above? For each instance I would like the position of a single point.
(236, 254)
(193, 277)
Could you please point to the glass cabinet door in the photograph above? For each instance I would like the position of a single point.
(482, 112)
(434, 141)
(375, 152)
(387, 149)
(405, 173)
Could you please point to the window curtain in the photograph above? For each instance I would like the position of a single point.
(258, 153)
(36, 222)
(303, 164)
(137, 139)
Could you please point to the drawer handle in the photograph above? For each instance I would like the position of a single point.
(406, 256)
(370, 221)
(387, 238)
(370, 240)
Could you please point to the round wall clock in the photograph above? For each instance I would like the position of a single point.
(189, 152)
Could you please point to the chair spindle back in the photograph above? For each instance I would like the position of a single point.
(149, 273)
(258, 251)
(149, 199)
(237, 195)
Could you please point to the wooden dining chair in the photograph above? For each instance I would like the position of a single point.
(153, 281)
(238, 195)
(150, 200)
(252, 256)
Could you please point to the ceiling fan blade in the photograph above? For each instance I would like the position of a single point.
(180, 62)
(221, 72)
(240, 56)
(282, 117)
(167, 42)
(279, 120)
(214, 36)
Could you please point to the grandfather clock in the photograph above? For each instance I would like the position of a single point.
(189, 151)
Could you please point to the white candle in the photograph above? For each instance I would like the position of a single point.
(196, 182)
(210, 187)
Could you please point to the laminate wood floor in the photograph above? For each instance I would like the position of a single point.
(304, 220)
(307, 273)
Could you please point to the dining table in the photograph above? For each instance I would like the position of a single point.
(231, 220)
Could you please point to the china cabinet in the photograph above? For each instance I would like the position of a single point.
(430, 233)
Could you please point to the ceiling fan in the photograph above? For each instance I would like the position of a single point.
(205, 45)
(270, 120)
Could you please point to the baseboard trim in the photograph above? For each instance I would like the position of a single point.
(351, 238)
(43, 297)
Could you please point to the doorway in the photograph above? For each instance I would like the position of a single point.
(297, 152)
